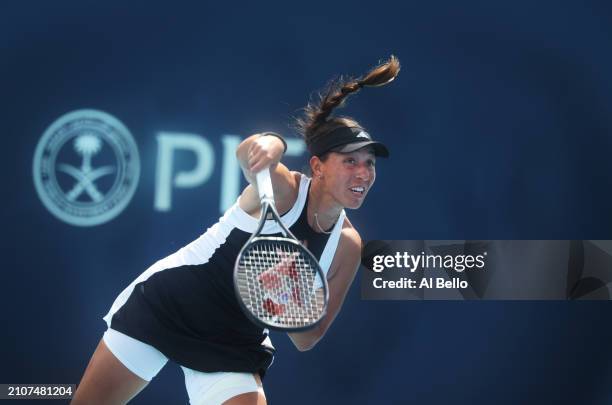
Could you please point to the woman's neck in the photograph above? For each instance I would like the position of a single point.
(321, 203)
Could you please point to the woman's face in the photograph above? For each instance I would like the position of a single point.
(349, 176)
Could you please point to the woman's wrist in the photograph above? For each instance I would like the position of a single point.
(274, 134)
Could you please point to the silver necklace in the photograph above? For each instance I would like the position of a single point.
(319, 226)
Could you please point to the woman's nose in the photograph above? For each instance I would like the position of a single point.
(363, 173)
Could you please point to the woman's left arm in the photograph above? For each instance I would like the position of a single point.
(341, 275)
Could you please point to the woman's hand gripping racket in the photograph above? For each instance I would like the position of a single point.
(278, 282)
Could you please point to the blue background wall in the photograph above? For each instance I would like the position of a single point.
(499, 127)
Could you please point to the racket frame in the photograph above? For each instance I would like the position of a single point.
(268, 207)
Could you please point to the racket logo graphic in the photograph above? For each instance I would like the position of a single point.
(86, 167)
(278, 283)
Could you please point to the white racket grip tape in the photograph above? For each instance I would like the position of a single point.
(264, 184)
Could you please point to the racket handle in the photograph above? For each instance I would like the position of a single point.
(264, 184)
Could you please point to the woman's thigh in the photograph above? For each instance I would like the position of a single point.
(107, 381)
(118, 370)
(250, 398)
(223, 388)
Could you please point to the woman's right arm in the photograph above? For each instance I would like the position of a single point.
(255, 153)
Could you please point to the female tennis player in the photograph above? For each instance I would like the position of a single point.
(184, 307)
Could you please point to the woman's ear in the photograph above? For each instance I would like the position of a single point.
(315, 166)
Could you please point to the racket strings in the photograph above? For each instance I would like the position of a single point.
(278, 284)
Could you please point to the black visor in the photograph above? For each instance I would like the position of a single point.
(345, 140)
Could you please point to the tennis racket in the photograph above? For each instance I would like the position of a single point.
(278, 282)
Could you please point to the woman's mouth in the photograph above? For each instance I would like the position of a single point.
(359, 191)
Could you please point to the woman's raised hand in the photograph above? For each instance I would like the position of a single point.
(265, 151)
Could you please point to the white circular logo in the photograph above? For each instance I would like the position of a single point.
(86, 167)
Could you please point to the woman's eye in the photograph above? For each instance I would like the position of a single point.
(351, 161)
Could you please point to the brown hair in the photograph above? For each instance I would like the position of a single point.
(317, 120)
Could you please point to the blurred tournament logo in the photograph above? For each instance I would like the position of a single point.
(86, 167)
